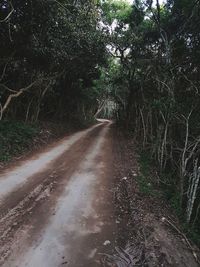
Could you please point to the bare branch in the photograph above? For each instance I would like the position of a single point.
(4, 70)
(10, 13)
(14, 95)
(7, 88)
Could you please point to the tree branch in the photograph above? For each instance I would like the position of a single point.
(14, 95)
(10, 13)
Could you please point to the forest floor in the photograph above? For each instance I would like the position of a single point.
(77, 203)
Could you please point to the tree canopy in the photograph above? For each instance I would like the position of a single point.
(54, 46)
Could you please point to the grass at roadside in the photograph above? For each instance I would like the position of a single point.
(15, 138)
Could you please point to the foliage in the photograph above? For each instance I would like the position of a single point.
(157, 48)
(113, 10)
(145, 182)
(15, 137)
(60, 45)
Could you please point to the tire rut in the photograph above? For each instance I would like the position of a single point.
(22, 203)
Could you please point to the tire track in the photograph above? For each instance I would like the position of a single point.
(18, 207)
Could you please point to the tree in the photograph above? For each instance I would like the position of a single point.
(59, 43)
(157, 49)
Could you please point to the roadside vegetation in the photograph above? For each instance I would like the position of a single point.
(155, 49)
(151, 184)
(50, 53)
(15, 138)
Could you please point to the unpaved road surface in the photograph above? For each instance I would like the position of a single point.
(77, 203)
(56, 208)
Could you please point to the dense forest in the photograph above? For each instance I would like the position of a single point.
(50, 53)
(139, 63)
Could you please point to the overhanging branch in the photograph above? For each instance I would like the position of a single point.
(9, 14)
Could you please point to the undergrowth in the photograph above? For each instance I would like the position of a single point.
(167, 189)
(15, 137)
(144, 181)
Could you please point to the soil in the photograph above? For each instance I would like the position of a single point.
(77, 203)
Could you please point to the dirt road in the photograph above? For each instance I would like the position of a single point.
(77, 203)
(56, 208)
